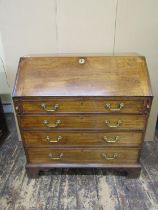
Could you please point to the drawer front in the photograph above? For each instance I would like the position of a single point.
(110, 155)
(77, 139)
(84, 122)
(76, 105)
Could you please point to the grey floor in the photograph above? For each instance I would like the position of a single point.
(72, 189)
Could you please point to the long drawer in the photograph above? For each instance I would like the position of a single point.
(83, 121)
(110, 155)
(80, 105)
(62, 139)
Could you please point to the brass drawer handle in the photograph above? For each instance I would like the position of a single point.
(111, 139)
(53, 109)
(114, 124)
(120, 106)
(52, 125)
(55, 157)
(111, 157)
(51, 140)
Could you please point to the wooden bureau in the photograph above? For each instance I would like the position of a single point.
(89, 111)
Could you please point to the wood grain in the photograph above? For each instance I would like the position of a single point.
(79, 105)
(84, 121)
(98, 76)
(41, 155)
(78, 139)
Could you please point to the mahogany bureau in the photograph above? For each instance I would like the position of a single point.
(89, 111)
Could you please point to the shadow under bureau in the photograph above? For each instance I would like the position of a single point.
(89, 111)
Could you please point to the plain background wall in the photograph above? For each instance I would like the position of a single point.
(4, 86)
(85, 26)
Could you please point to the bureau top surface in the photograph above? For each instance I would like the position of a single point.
(90, 76)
